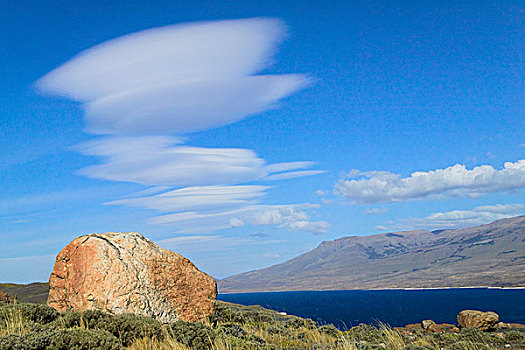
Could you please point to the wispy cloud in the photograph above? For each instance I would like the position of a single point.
(293, 217)
(142, 89)
(455, 181)
(259, 235)
(207, 243)
(457, 218)
(375, 211)
(271, 256)
(35, 202)
(198, 198)
(155, 161)
(164, 161)
(294, 174)
(176, 79)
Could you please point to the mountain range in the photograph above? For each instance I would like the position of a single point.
(491, 255)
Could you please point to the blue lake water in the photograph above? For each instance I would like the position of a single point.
(347, 308)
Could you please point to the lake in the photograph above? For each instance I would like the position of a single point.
(347, 308)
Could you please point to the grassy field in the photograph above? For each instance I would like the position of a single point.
(38, 327)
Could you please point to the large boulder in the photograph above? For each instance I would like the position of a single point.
(127, 273)
(478, 319)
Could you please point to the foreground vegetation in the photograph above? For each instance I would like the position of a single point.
(38, 327)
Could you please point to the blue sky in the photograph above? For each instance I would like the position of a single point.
(249, 139)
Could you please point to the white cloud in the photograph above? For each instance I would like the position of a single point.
(207, 173)
(235, 222)
(280, 167)
(153, 160)
(455, 181)
(375, 211)
(293, 175)
(21, 221)
(187, 51)
(189, 106)
(457, 218)
(259, 235)
(322, 193)
(291, 217)
(164, 161)
(176, 79)
(198, 198)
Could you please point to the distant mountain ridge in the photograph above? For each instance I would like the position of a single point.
(490, 255)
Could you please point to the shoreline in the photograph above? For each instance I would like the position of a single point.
(372, 289)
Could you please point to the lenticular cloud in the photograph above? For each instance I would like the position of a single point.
(176, 79)
(143, 88)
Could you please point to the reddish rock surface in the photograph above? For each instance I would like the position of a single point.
(127, 273)
(6, 298)
(428, 326)
(483, 320)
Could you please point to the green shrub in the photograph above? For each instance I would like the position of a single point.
(92, 318)
(363, 332)
(514, 336)
(468, 345)
(232, 329)
(62, 339)
(32, 312)
(255, 316)
(127, 327)
(473, 334)
(13, 342)
(195, 335)
(222, 314)
(418, 347)
(330, 330)
(278, 330)
(225, 313)
(82, 339)
(296, 323)
(74, 319)
(34, 327)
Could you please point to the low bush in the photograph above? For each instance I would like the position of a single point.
(127, 327)
(296, 323)
(468, 345)
(62, 339)
(419, 347)
(514, 336)
(232, 329)
(474, 335)
(330, 330)
(195, 335)
(363, 332)
(32, 312)
(82, 339)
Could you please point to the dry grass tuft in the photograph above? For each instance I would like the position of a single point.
(12, 323)
(391, 338)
